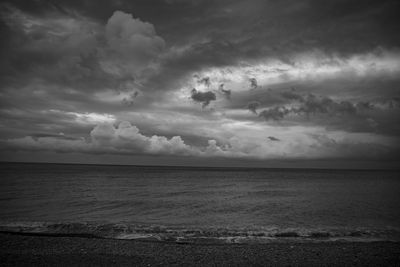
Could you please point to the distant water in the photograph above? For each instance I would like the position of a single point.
(200, 204)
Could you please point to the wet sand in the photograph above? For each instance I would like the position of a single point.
(20, 250)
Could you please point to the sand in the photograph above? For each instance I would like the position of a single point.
(20, 250)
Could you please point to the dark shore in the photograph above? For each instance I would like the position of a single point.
(19, 250)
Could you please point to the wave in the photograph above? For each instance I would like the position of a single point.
(197, 235)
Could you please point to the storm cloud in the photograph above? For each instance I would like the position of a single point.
(225, 92)
(276, 113)
(272, 138)
(253, 83)
(275, 79)
(311, 104)
(203, 97)
(253, 106)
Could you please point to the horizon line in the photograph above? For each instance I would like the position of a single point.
(203, 166)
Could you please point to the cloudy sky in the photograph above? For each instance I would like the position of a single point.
(231, 83)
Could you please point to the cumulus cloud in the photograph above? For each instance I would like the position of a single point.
(126, 139)
(132, 37)
(106, 138)
(203, 97)
(132, 44)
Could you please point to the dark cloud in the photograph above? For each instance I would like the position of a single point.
(76, 61)
(226, 92)
(292, 95)
(353, 116)
(364, 106)
(70, 50)
(309, 107)
(253, 83)
(260, 29)
(60, 136)
(313, 104)
(204, 80)
(178, 65)
(253, 106)
(130, 99)
(212, 34)
(203, 97)
(276, 113)
(271, 138)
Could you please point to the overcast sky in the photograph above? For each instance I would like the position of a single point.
(249, 83)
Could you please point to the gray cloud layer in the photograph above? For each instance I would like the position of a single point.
(71, 70)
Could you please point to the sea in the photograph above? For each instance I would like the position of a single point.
(200, 204)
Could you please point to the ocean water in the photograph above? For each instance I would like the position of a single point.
(185, 204)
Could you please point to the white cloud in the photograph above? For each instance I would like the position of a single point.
(106, 138)
(313, 66)
(127, 138)
(246, 141)
(86, 117)
(91, 117)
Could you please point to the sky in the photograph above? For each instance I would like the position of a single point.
(285, 83)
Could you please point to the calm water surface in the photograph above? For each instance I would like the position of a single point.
(261, 200)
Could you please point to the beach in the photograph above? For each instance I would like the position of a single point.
(26, 250)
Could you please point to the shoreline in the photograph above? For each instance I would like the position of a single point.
(210, 235)
(34, 250)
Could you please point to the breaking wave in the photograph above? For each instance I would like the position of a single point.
(198, 235)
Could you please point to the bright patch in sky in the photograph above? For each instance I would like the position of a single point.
(188, 79)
